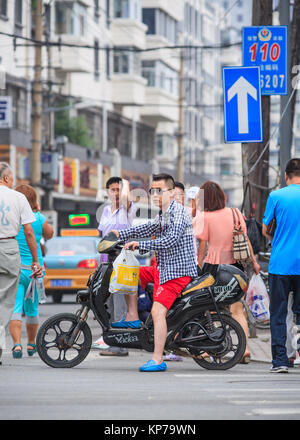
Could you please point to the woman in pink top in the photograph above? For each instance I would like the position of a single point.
(214, 227)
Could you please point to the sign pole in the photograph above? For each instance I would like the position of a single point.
(261, 16)
(286, 123)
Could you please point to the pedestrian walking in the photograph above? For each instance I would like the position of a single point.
(283, 205)
(14, 212)
(24, 304)
(214, 229)
(176, 265)
(118, 214)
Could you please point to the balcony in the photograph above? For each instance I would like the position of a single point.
(128, 32)
(160, 106)
(171, 7)
(72, 59)
(128, 89)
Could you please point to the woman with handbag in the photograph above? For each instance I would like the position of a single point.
(222, 234)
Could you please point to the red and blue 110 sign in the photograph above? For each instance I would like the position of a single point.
(267, 47)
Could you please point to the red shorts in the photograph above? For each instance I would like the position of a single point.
(165, 293)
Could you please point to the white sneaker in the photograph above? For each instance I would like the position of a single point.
(281, 369)
(297, 362)
(99, 345)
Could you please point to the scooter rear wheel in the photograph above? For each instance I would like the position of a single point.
(52, 340)
(233, 347)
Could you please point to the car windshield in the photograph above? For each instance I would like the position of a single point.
(69, 247)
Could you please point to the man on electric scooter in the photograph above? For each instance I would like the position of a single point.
(174, 247)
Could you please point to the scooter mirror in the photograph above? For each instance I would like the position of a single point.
(109, 242)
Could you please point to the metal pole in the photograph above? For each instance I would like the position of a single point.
(37, 98)
(180, 121)
(286, 123)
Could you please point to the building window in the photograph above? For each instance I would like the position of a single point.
(70, 18)
(96, 11)
(3, 8)
(158, 74)
(107, 13)
(148, 17)
(121, 8)
(121, 62)
(159, 143)
(18, 17)
(47, 19)
(107, 53)
(96, 60)
(239, 18)
(126, 62)
(160, 23)
(127, 9)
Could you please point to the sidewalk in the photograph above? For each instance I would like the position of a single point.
(260, 347)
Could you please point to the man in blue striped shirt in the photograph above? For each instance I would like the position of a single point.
(173, 243)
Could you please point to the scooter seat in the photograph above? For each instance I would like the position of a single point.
(82, 296)
(199, 283)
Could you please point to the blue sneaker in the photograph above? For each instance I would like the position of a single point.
(126, 324)
(153, 366)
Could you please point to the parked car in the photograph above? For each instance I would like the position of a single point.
(68, 262)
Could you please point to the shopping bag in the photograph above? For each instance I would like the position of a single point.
(125, 276)
(258, 299)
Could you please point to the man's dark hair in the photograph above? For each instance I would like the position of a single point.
(112, 180)
(179, 185)
(166, 177)
(292, 168)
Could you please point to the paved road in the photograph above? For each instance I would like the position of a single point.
(112, 389)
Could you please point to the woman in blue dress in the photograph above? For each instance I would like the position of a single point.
(28, 307)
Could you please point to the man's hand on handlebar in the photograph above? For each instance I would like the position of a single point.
(132, 245)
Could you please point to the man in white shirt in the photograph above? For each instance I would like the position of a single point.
(118, 214)
(14, 212)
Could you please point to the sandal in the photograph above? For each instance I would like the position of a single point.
(31, 351)
(17, 354)
(245, 359)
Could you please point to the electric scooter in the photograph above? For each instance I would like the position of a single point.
(199, 323)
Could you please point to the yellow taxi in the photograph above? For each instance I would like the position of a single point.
(69, 260)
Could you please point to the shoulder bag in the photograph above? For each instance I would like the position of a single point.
(240, 246)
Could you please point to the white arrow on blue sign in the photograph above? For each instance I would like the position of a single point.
(242, 104)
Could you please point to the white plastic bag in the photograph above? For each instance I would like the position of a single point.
(258, 299)
(125, 276)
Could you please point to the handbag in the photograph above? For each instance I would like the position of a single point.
(240, 245)
(271, 227)
(254, 228)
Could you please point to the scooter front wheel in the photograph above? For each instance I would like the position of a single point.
(53, 341)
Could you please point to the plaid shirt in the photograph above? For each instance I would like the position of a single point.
(173, 243)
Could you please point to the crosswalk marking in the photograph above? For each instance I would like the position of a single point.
(275, 411)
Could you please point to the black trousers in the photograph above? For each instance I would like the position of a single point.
(280, 287)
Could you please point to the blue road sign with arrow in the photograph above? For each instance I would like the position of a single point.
(242, 104)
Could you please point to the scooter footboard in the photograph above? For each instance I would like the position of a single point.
(124, 338)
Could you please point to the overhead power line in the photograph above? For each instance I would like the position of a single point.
(60, 43)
